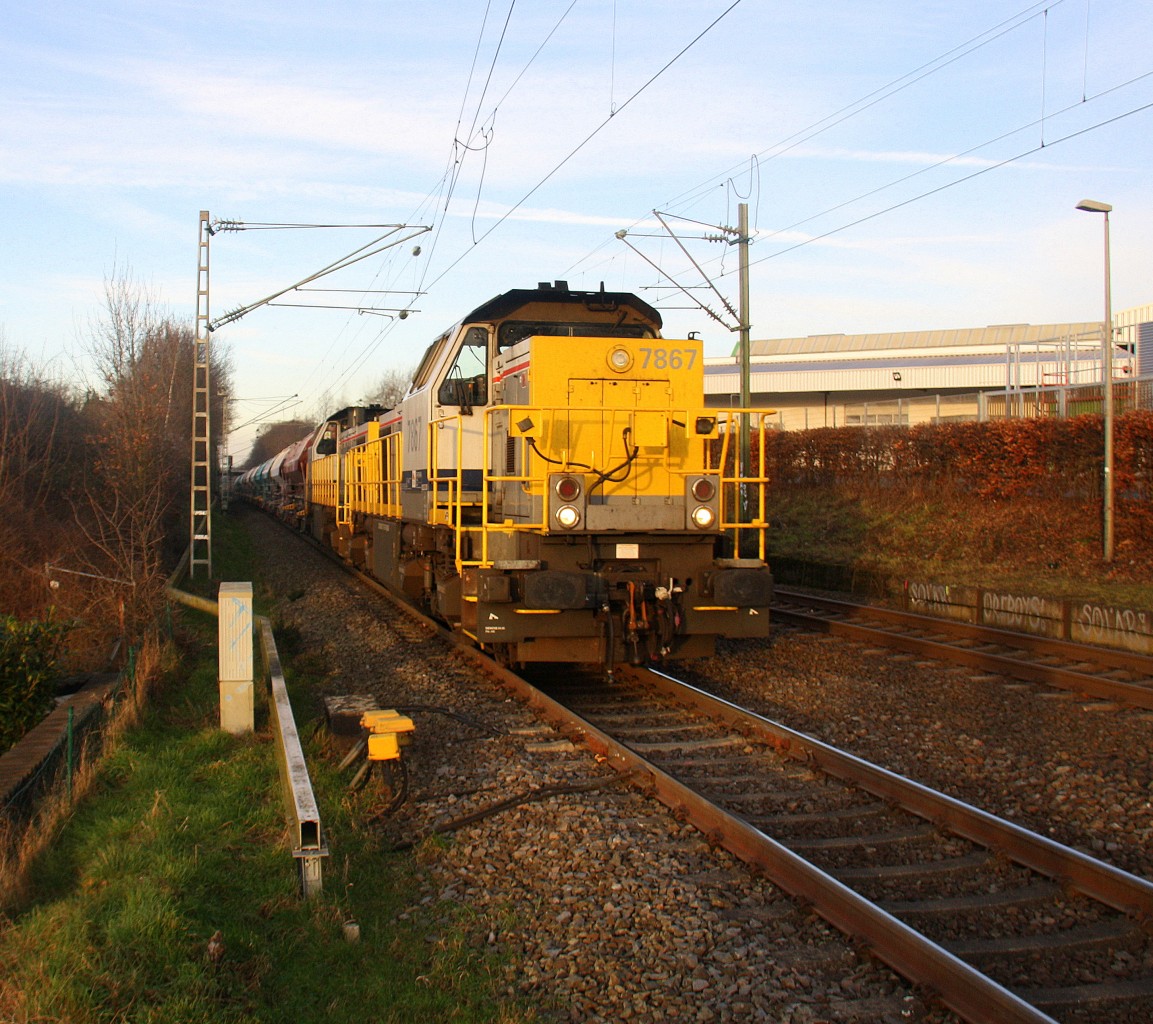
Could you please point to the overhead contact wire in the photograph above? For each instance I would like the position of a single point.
(892, 88)
(958, 181)
(585, 141)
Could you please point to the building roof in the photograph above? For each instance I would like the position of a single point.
(953, 360)
(998, 337)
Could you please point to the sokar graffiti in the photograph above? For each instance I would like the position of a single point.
(1117, 627)
(929, 593)
(940, 599)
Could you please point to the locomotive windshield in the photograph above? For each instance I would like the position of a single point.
(466, 384)
(513, 331)
(428, 363)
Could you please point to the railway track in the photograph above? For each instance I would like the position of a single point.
(997, 923)
(1001, 924)
(603, 905)
(1104, 674)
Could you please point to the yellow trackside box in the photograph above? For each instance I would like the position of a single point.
(384, 733)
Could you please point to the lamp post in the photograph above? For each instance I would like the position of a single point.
(1092, 206)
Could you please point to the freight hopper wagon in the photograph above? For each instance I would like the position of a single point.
(553, 487)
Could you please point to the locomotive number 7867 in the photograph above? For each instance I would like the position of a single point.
(668, 358)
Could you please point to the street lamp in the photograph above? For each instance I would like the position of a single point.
(1092, 206)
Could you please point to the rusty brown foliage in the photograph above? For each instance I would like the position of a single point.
(94, 487)
(1024, 491)
(41, 451)
(1001, 459)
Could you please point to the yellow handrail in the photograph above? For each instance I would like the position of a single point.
(541, 440)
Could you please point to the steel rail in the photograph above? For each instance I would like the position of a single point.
(966, 991)
(1050, 675)
(1036, 643)
(1104, 882)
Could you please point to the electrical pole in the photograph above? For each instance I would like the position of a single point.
(739, 237)
(742, 241)
(200, 519)
(1093, 206)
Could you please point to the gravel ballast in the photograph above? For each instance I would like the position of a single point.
(1066, 767)
(608, 909)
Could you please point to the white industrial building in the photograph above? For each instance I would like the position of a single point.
(934, 376)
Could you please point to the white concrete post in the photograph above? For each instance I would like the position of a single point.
(235, 658)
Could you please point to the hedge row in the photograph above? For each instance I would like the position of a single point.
(1002, 459)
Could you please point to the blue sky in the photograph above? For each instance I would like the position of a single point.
(907, 165)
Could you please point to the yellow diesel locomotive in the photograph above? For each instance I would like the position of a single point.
(551, 486)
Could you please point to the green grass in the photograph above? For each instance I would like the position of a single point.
(184, 835)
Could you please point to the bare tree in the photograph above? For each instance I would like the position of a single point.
(39, 453)
(392, 387)
(134, 500)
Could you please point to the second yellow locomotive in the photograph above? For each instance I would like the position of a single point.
(552, 485)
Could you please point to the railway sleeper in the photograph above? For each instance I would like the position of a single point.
(1071, 998)
(712, 743)
(1109, 934)
(911, 834)
(780, 801)
(948, 866)
(1033, 893)
(854, 813)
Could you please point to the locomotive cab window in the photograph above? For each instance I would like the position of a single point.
(466, 384)
(326, 445)
(429, 362)
(514, 331)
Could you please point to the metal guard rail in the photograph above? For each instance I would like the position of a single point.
(309, 847)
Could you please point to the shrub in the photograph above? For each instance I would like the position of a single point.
(28, 652)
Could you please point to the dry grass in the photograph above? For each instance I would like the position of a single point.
(1025, 545)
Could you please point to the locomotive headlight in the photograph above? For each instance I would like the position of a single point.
(703, 517)
(704, 489)
(568, 516)
(620, 359)
(568, 488)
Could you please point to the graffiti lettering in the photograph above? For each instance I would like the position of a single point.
(930, 596)
(1015, 611)
(929, 593)
(1101, 623)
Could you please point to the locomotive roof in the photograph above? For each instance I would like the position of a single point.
(509, 302)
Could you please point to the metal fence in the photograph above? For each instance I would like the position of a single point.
(40, 768)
